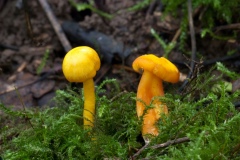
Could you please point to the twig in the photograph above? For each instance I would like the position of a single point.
(56, 26)
(118, 95)
(24, 107)
(140, 150)
(177, 34)
(28, 21)
(230, 26)
(193, 43)
(162, 145)
(171, 142)
(102, 72)
(14, 88)
(151, 9)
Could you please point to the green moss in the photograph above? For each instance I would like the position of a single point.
(209, 120)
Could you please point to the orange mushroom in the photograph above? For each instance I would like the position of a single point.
(155, 70)
(80, 65)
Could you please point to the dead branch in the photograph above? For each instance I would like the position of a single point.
(56, 26)
(162, 145)
(171, 142)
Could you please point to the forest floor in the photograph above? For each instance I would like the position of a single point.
(23, 46)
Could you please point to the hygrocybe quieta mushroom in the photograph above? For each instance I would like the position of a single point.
(155, 70)
(80, 65)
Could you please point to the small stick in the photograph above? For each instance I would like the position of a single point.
(140, 150)
(56, 26)
(150, 9)
(177, 34)
(230, 26)
(193, 43)
(28, 21)
(118, 95)
(103, 71)
(13, 88)
(171, 142)
(162, 145)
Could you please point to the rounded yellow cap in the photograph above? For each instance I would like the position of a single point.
(80, 63)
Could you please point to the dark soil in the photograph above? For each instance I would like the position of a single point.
(22, 49)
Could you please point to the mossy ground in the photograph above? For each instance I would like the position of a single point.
(209, 121)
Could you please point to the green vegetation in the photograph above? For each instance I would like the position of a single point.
(208, 15)
(212, 10)
(208, 119)
(166, 47)
(84, 6)
(205, 117)
(43, 61)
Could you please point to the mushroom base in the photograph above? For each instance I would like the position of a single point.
(150, 86)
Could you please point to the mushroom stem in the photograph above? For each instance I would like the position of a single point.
(150, 86)
(89, 103)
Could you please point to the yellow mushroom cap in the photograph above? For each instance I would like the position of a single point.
(161, 67)
(80, 64)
